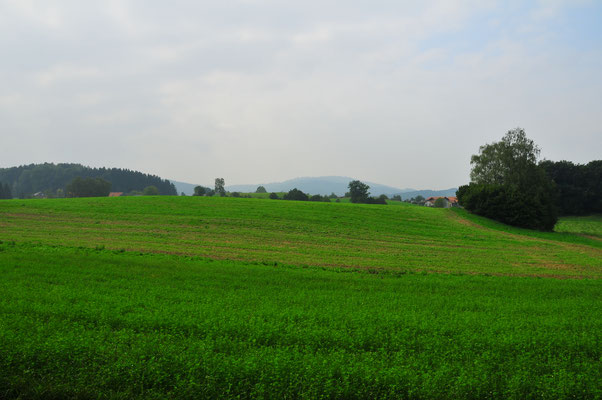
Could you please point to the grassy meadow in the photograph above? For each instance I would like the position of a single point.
(590, 225)
(188, 297)
(399, 238)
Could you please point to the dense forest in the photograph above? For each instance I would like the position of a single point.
(51, 179)
(578, 186)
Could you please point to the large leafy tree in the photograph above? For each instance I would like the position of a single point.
(509, 186)
(358, 192)
(508, 161)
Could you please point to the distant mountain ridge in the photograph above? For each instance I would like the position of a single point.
(186, 188)
(428, 193)
(323, 185)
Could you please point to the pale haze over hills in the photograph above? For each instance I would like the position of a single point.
(323, 185)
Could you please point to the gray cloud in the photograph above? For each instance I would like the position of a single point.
(259, 91)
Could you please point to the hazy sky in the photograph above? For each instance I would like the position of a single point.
(400, 93)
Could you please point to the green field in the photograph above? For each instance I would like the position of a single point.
(261, 195)
(401, 238)
(590, 225)
(194, 297)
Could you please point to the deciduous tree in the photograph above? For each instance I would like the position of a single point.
(509, 186)
(219, 186)
(358, 191)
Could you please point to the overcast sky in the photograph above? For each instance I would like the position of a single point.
(255, 91)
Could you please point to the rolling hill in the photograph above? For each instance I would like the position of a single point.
(323, 185)
(401, 237)
(207, 297)
(428, 193)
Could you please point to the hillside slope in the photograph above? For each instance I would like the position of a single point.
(194, 297)
(403, 238)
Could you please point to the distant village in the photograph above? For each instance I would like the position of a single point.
(435, 201)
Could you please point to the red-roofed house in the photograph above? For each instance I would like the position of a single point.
(448, 202)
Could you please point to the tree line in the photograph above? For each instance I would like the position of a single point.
(52, 179)
(358, 192)
(578, 186)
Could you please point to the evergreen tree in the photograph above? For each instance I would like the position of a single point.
(5, 191)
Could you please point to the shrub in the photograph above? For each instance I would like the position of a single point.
(151, 191)
(317, 197)
(439, 203)
(88, 187)
(200, 191)
(296, 194)
(532, 209)
(376, 200)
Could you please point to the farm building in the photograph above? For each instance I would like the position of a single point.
(448, 202)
